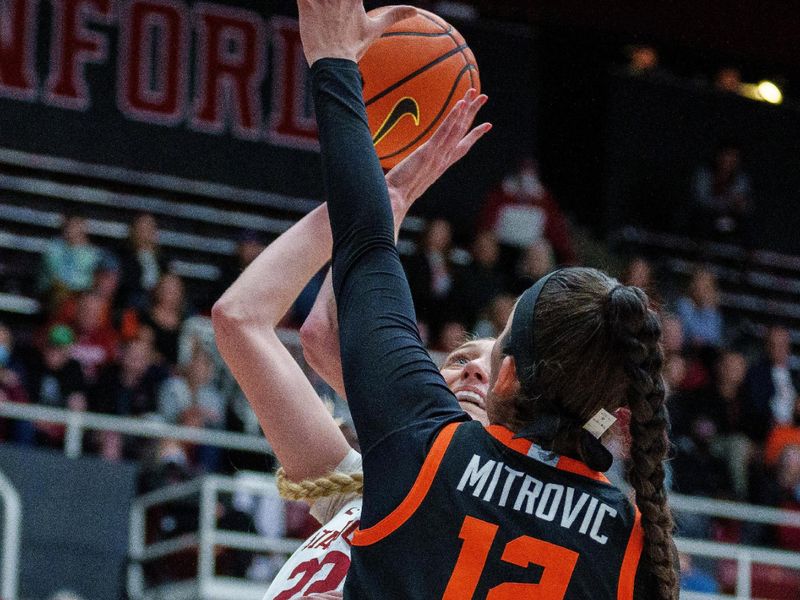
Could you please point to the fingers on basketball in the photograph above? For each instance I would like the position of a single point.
(414, 74)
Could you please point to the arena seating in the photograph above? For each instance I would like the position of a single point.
(759, 287)
(198, 223)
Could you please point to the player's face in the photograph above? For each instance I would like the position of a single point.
(466, 372)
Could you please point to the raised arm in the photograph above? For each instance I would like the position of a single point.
(306, 440)
(302, 432)
(410, 179)
(397, 396)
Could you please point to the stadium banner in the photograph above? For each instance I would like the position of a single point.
(214, 91)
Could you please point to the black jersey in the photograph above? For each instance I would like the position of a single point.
(498, 518)
(483, 519)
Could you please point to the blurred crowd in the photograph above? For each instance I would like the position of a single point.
(120, 335)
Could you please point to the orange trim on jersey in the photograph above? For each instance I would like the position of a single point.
(506, 437)
(565, 463)
(409, 505)
(630, 562)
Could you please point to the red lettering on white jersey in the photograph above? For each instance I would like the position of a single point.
(321, 563)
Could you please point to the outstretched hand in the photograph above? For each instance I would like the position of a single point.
(342, 28)
(451, 141)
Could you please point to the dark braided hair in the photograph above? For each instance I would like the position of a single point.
(637, 330)
(597, 346)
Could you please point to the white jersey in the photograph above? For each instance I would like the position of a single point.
(322, 562)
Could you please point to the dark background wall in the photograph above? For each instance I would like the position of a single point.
(659, 132)
(75, 522)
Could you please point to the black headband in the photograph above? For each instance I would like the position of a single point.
(520, 340)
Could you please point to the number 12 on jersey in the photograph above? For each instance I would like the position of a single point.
(478, 535)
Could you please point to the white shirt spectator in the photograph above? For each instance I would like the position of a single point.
(783, 401)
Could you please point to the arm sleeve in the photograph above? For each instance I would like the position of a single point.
(397, 397)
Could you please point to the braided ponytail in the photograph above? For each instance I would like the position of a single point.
(322, 487)
(597, 346)
(636, 331)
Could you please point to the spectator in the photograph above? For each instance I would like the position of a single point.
(521, 211)
(68, 263)
(697, 471)
(481, 280)
(674, 374)
(639, 272)
(699, 311)
(191, 399)
(11, 390)
(536, 261)
(127, 388)
(162, 321)
(722, 405)
(165, 464)
(722, 196)
(9, 356)
(431, 274)
(249, 244)
(788, 479)
(105, 284)
(56, 380)
(141, 262)
(95, 339)
(671, 334)
(770, 387)
(493, 323)
(695, 579)
(451, 337)
(782, 435)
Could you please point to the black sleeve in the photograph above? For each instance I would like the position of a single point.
(397, 396)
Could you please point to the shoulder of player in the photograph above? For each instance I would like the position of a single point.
(516, 451)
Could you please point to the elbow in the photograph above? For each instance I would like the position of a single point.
(310, 339)
(228, 317)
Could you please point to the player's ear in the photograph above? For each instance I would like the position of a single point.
(507, 384)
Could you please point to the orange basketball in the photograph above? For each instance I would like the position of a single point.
(413, 75)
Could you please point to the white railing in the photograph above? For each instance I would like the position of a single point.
(78, 422)
(12, 522)
(738, 511)
(744, 556)
(207, 585)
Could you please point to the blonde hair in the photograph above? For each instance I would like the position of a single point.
(333, 484)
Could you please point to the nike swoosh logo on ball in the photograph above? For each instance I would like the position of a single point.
(404, 106)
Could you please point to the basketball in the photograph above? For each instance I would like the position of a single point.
(413, 75)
